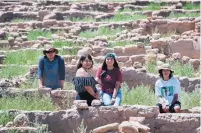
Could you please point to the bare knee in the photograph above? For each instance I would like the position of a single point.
(177, 109)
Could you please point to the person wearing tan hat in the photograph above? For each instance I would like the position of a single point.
(168, 89)
(51, 70)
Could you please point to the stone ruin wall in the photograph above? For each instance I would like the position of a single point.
(66, 121)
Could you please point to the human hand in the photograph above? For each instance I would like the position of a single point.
(112, 100)
(40, 86)
(97, 96)
(101, 100)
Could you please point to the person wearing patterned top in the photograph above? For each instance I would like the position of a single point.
(84, 82)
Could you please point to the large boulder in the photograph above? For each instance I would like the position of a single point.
(84, 51)
(42, 13)
(133, 50)
(80, 104)
(185, 47)
(109, 127)
(162, 45)
(133, 127)
(127, 127)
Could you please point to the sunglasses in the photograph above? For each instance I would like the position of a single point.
(48, 52)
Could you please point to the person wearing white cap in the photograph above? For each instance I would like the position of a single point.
(168, 90)
(51, 70)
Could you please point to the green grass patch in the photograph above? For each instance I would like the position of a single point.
(26, 103)
(72, 51)
(61, 43)
(179, 15)
(22, 57)
(183, 69)
(121, 43)
(117, 18)
(10, 72)
(191, 6)
(127, 10)
(152, 67)
(178, 68)
(33, 84)
(190, 100)
(101, 31)
(122, 18)
(144, 95)
(169, 34)
(84, 19)
(32, 35)
(6, 117)
(141, 95)
(31, 57)
(152, 7)
(30, 84)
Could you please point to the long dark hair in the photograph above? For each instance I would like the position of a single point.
(82, 58)
(161, 74)
(104, 66)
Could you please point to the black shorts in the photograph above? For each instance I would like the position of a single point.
(86, 96)
(171, 108)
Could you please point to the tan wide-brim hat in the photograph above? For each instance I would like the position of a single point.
(50, 48)
(165, 67)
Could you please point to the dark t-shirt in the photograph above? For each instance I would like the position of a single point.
(51, 71)
(110, 79)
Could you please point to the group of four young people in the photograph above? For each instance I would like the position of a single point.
(51, 74)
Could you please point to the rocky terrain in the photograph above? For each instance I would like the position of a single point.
(143, 34)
